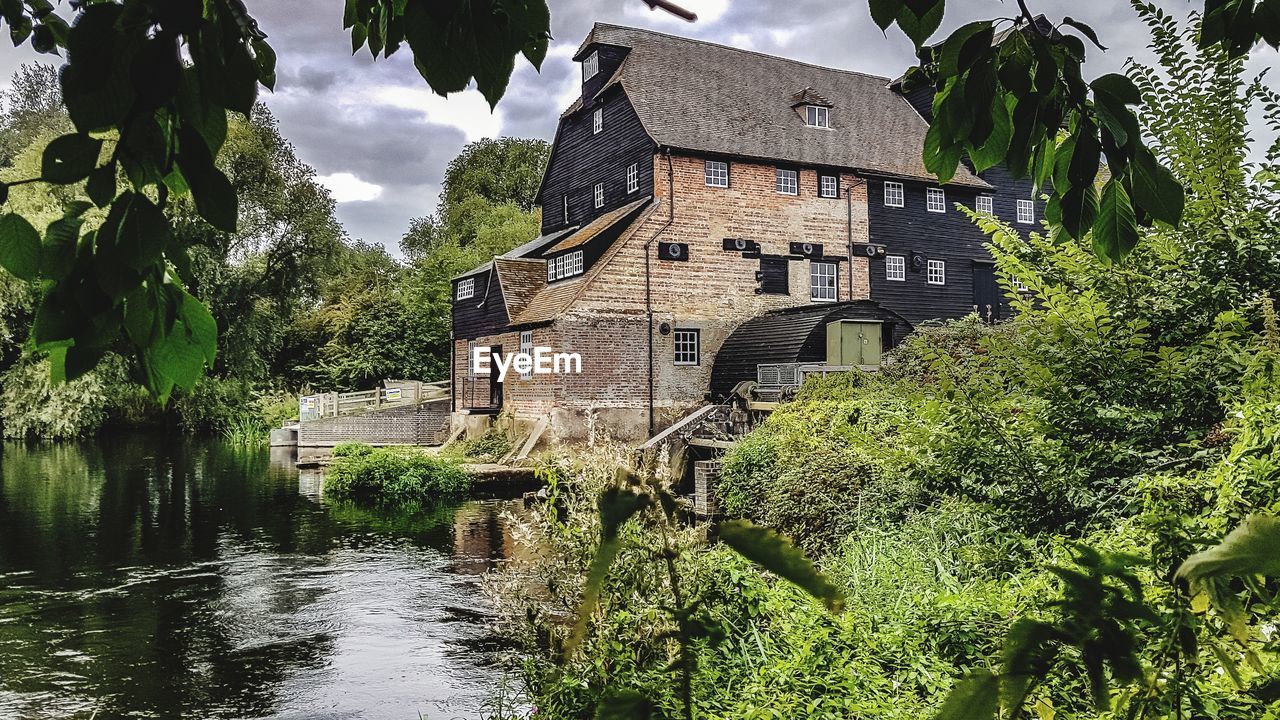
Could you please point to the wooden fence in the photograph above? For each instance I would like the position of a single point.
(395, 394)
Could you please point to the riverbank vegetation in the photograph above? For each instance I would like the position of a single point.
(1005, 512)
(393, 475)
(298, 305)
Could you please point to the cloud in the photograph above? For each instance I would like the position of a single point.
(349, 188)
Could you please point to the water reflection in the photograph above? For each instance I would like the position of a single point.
(148, 577)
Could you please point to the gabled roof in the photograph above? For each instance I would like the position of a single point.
(809, 96)
(702, 97)
(520, 279)
(530, 248)
(553, 299)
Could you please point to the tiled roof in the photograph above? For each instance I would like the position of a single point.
(597, 226)
(529, 248)
(809, 96)
(555, 298)
(521, 279)
(699, 96)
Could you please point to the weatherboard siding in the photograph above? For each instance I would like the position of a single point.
(482, 314)
(580, 158)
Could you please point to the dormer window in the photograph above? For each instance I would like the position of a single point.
(466, 289)
(590, 66)
(817, 116)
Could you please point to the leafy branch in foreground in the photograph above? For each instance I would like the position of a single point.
(629, 498)
(1010, 91)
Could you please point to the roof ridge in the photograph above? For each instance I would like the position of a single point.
(740, 50)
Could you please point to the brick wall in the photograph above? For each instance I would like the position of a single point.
(714, 291)
(422, 424)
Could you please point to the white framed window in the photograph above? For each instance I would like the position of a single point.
(935, 199)
(590, 66)
(893, 194)
(687, 346)
(822, 281)
(564, 266)
(817, 116)
(633, 178)
(937, 272)
(599, 195)
(717, 173)
(895, 268)
(986, 204)
(466, 288)
(1018, 284)
(566, 209)
(526, 347)
(597, 121)
(471, 359)
(828, 186)
(1026, 211)
(787, 182)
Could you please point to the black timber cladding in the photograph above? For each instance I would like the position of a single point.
(792, 335)
(949, 236)
(485, 313)
(580, 158)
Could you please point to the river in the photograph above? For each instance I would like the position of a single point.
(161, 577)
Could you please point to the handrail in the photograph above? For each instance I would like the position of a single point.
(396, 394)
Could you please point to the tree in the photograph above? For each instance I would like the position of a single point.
(148, 86)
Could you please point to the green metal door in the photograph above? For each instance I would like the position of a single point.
(853, 342)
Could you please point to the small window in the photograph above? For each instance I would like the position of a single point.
(687, 346)
(895, 268)
(893, 194)
(566, 209)
(597, 121)
(466, 288)
(717, 173)
(1018, 285)
(817, 116)
(787, 182)
(551, 270)
(590, 66)
(773, 278)
(822, 281)
(1026, 211)
(937, 272)
(633, 178)
(828, 186)
(936, 199)
(573, 266)
(599, 195)
(471, 359)
(526, 347)
(986, 204)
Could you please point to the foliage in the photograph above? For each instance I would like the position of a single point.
(246, 430)
(490, 447)
(393, 475)
(31, 407)
(214, 406)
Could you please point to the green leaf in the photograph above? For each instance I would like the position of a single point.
(1115, 233)
(921, 22)
(1084, 30)
(1253, 548)
(265, 57)
(1079, 208)
(964, 47)
(213, 193)
(885, 12)
(201, 325)
(143, 233)
(1155, 190)
(976, 697)
(96, 84)
(101, 187)
(996, 147)
(19, 246)
(775, 553)
(617, 505)
(210, 120)
(1119, 87)
(69, 158)
(625, 705)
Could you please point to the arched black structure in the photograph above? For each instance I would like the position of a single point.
(793, 335)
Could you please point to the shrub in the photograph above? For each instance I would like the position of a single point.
(393, 474)
(213, 405)
(351, 449)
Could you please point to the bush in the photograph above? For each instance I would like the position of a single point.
(392, 474)
(213, 406)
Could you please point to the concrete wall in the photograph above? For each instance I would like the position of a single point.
(423, 424)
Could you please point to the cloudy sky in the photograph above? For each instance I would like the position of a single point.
(380, 140)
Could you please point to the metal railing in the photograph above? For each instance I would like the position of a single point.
(327, 405)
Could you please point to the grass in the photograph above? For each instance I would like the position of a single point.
(393, 475)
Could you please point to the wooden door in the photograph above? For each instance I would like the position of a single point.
(495, 385)
(986, 293)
